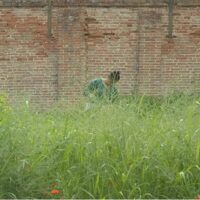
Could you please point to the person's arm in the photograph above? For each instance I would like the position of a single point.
(113, 94)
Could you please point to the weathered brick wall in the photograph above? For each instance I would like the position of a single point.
(181, 56)
(93, 37)
(28, 59)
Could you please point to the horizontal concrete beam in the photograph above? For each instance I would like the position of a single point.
(98, 3)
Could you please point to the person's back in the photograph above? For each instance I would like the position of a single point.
(96, 87)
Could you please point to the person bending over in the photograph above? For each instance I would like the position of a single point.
(101, 88)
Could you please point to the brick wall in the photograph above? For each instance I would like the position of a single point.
(92, 38)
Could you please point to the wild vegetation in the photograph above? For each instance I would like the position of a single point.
(137, 147)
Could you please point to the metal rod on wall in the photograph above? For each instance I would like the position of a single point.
(170, 25)
(137, 73)
(49, 18)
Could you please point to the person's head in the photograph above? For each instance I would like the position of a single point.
(114, 76)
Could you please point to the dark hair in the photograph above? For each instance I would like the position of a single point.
(115, 76)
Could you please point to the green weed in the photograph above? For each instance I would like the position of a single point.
(137, 147)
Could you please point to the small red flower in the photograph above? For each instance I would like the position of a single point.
(197, 197)
(54, 192)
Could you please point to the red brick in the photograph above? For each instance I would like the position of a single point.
(92, 41)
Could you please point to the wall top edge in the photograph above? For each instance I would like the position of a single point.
(98, 3)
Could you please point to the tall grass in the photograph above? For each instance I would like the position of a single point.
(138, 147)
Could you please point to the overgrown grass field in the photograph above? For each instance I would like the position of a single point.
(137, 147)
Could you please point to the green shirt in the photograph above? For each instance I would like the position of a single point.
(97, 88)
